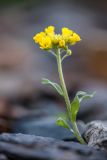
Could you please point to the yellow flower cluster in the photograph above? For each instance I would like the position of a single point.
(49, 39)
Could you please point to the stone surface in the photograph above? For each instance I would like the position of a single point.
(96, 134)
(3, 157)
(21, 146)
(41, 121)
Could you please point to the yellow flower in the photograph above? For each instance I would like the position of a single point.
(49, 30)
(66, 32)
(55, 38)
(48, 39)
(61, 43)
(38, 37)
(74, 38)
(45, 43)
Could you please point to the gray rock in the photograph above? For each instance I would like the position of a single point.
(45, 126)
(96, 134)
(42, 122)
(3, 157)
(24, 147)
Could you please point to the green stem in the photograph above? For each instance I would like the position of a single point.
(77, 133)
(67, 101)
(65, 94)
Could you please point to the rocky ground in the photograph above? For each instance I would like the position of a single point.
(21, 146)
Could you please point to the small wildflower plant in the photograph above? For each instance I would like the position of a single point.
(58, 45)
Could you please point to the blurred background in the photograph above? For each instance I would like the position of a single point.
(26, 105)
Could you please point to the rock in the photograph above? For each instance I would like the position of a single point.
(45, 126)
(24, 147)
(3, 157)
(96, 134)
(41, 121)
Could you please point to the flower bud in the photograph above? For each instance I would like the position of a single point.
(69, 52)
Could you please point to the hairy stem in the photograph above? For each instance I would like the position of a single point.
(65, 94)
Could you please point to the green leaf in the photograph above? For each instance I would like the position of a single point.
(75, 104)
(55, 85)
(83, 95)
(74, 108)
(63, 116)
(61, 122)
